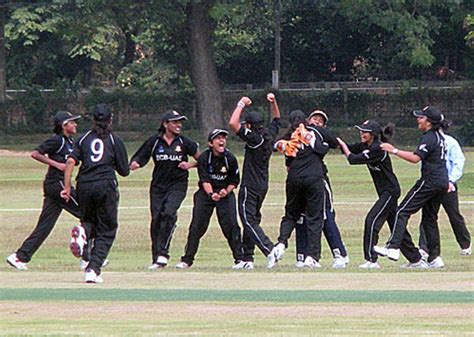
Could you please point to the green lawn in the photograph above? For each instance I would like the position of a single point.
(210, 298)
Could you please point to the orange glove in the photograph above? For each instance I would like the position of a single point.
(288, 147)
(303, 135)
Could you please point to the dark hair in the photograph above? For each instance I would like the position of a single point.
(161, 129)
(387, 132)
(58, 129)
(102, 128)
(446, 124)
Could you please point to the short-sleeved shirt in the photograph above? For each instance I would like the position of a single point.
(379, 164)
(220, 171)
(258, 150)
(432, 151)
(166, 158)
(100, 157)
(57, 148)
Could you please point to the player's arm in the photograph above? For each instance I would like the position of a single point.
(121, 160)
(66, 192)
(233, 178)
(234, 122)
(143, 154)
(46, 160)
(405, 155)
(273, 105)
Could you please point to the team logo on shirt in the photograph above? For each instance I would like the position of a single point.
(161, 149)
(223, 169)
(178, 148)
(423, 148)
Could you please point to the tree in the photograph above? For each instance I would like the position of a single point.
(3, 82)
(203, 67)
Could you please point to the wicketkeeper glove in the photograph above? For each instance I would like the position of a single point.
(303, 135)
(287, 147)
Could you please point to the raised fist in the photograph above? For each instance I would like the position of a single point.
(271, 97)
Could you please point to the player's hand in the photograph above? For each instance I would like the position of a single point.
(303, 135)
(185, 165)
(280, 145)
(343, 146)
(223, 193)
(244, 101)
(271, 97)
(134, 165)
(387, 147)
(292, 148)
(451, 187)
(65, 194)
(215, 197)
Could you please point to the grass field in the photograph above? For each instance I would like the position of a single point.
(211, 299)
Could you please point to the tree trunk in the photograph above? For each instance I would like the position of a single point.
(3, 83)
(277, 21)
(203, 67)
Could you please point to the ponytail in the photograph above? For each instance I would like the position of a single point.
(387, 133)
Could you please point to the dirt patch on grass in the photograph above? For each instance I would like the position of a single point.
(132, 311)
(8, 153)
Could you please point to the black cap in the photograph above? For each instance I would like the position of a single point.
(62, 117)
(320, 113)
(172, 115)
(370, 126)
(432, 113)
(102, 113)
(216, 132)
(252, 117)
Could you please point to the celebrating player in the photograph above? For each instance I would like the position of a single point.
(304, 187)
(378, 162)
(100, 153)
(254, 186)
(170, 151)
(455, 164)
(319, 119)
(426, 193)
(52, 152)
(218, 177)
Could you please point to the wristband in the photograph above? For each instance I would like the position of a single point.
(210, 194)
(395, 151)
(241, 104)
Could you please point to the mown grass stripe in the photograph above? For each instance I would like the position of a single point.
(205, 295)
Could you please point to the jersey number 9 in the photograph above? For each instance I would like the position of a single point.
(97, 149)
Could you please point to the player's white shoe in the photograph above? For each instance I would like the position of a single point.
(275, 255)
(436, 263)
(424, 254)
(85, 263)
(15, 262)
(391, 253)
(78, 240)
(310, 262)
(370, 265)
(339, 261)
(154, 266)
(243, 265)
(182, 265)
(92, 277)
(299, 264)
(466, 251)
(421, 264)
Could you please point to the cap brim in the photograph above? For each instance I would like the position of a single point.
(360, 128)
(177, 118)
(320, 113)
(418, 113)
(221, 132)
(73, 118)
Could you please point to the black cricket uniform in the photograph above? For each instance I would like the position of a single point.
(330, 229)
(97, 189)
(220, 171)
(57, 148)
(305, 194)
(388, 190)
(254, 186)
(426, 194)
(168, 186)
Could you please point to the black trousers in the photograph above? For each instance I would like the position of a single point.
(227, 218)
(164, 205)
(450, 202)
(384, 209)
(98, 202)
(330, 229)
(250, 203)
(424, 195)
(304, 195)
(53, 205)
